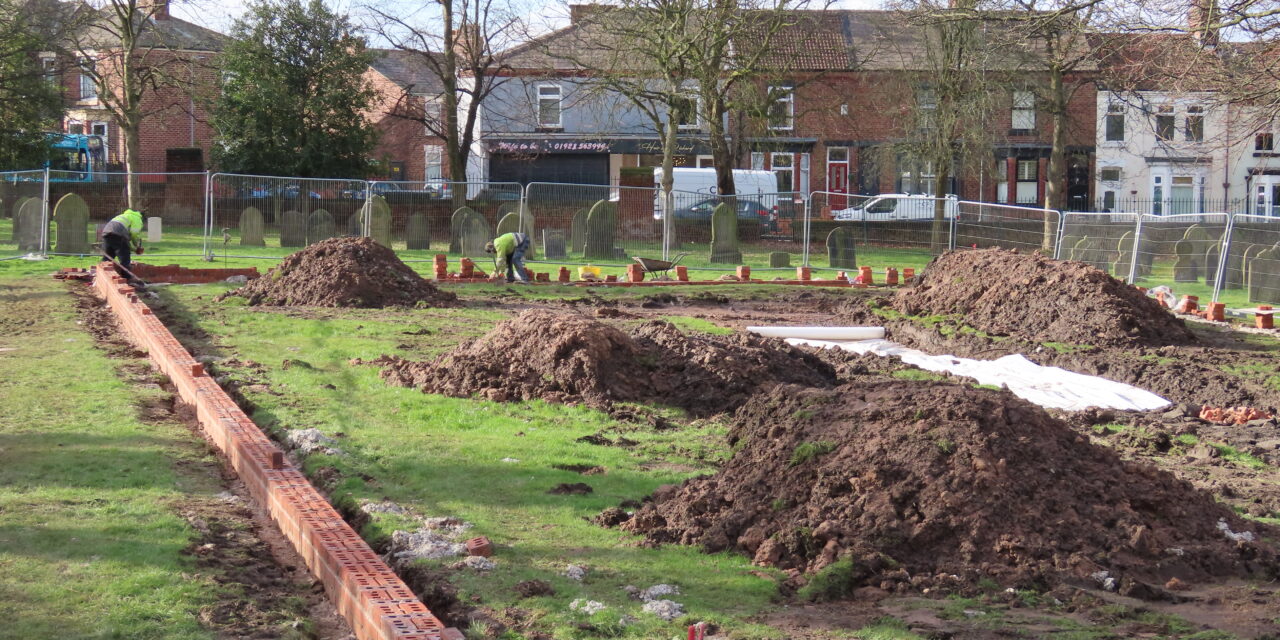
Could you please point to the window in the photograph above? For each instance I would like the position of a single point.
(1110, 174)
(1028, 181)
(1264, 142)
(49, 68)
(927, 103)
(837, 154)
(1157, 196)
(784, 168)
(757, 161)
(1164, 123)
(918, 177)
(1195, 124)
(1024, 110)
(686, 113)
(434, 162)
(782, 113)
(549, 105)
(88, 88)
(1108, 200)
(844, 109)
(1115, 122)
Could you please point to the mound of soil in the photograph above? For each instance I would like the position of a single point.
(566, 357)
(343, 272)
(1029, 296)
(942, 479)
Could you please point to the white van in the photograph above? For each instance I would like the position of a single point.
(699, 185)
(896, 206)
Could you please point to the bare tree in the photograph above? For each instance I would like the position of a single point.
(456, 42)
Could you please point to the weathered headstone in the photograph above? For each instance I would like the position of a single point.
(71, 217)
(1233, 270)
(578, 231)
(1124, 256)
(475, 233)
(724, 235)
(601, 228)
(251, 228)
(417, 233)
(504, 209)
(355, 223)
(28, 223)
(840, 249)
(1264, 276)
(379, 220)
(507, 223)
(553, 244)
(155, 229)
(1187, 266)
(520, 221)
(1247, 262)
(455, 228)
(779, 259)
(293, 229)
(319, 226)
(17, 226)
(1091, 251)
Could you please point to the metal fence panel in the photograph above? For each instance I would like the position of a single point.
(422, 212)
(980, 225)
(766, 224)
(628, 222)
(268, 216)
(1180, 251)
(178, 200)
(24, 225)
(1104, 240)
(884, 224)
(1251, 265)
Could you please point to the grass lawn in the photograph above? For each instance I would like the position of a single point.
(89, 541)
(490, 464)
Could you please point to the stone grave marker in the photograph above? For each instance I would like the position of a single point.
(601, 230)
(71, 217)
(841, 253)
(319, 226)
(779, 259)
(417, 233)
(293, 229)
(28, 223)
(251, 228)
(724, 235)
(553, 244)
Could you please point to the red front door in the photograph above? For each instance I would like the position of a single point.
(838, 182)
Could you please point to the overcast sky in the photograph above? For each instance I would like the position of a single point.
(220, 14)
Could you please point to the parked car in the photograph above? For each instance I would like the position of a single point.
(747, 210)
(895, 206)
(272, 191)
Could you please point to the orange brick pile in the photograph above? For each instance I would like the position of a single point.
(1232, 415)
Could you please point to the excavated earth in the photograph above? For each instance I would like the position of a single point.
(343, 272)
(567, 357)
(922, 483)
(1006, 293)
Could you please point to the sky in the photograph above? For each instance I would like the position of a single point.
(219, 15)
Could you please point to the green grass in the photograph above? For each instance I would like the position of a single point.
(807, 451)
(444, 456)
(918, 374)
(1067, 348)
(688, 325)
(89, 543)
(886, 628)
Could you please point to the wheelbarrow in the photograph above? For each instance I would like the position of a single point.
(658, 268)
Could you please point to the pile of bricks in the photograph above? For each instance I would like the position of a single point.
(1232, 415)
(377, 604)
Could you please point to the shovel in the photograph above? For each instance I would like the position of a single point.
(133, 280)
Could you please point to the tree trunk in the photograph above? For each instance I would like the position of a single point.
(1055, 186)
(668, 181)
(721, 154)
(940, 239)
(132, 146)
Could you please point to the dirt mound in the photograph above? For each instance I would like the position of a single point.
(943, 479)
(1035, 298)
(566, 357)
(343, 272)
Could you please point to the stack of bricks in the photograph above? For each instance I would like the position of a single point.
(635, 273)
(377, 604)
(441, 266)
(744, 273)
(1264, 320)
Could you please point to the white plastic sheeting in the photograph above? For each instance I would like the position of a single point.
(1049, 387)
(820, 333)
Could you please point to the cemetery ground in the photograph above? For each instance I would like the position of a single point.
(493, 464)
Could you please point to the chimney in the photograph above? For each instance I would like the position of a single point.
(466, 41)
(154, 9)
(578, 12)
(1203, 22)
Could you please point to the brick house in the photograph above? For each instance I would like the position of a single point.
(175, 134)
(406, 90)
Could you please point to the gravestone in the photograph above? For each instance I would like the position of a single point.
(1212, 256)
(779, 259)
(1233, 277)
(578, 231)
(30, 219)
(455, 228)
(355, 224)
(1091, 251)
(1187, 266)
(601, 228)
(1264, 276)
(379, 220)
(155, 228)
(17, 208)
(724, 235)
(251, 228)
(71, 215)
(504, 209)
(293, 229)
(1124, 256)
(1247, 262)
(474, 234)
(553, 244)
(840, 249)
(517, 221)
(319, 226)
(507, 223)
(417, 233)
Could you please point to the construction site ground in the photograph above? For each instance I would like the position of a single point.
(108, 497)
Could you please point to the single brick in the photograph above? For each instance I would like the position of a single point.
(480, 546)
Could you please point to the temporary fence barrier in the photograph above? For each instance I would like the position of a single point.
(981, 225)
(1251, 261)
(173, 207)
(597, 224)
(884, 221)
(421, 215)
(1104, 240)
(24, 213)
(266, 216)
(1179, 251)
(764, 230)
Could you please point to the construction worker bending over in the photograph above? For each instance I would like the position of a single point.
(510, 249)
(123, 233)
